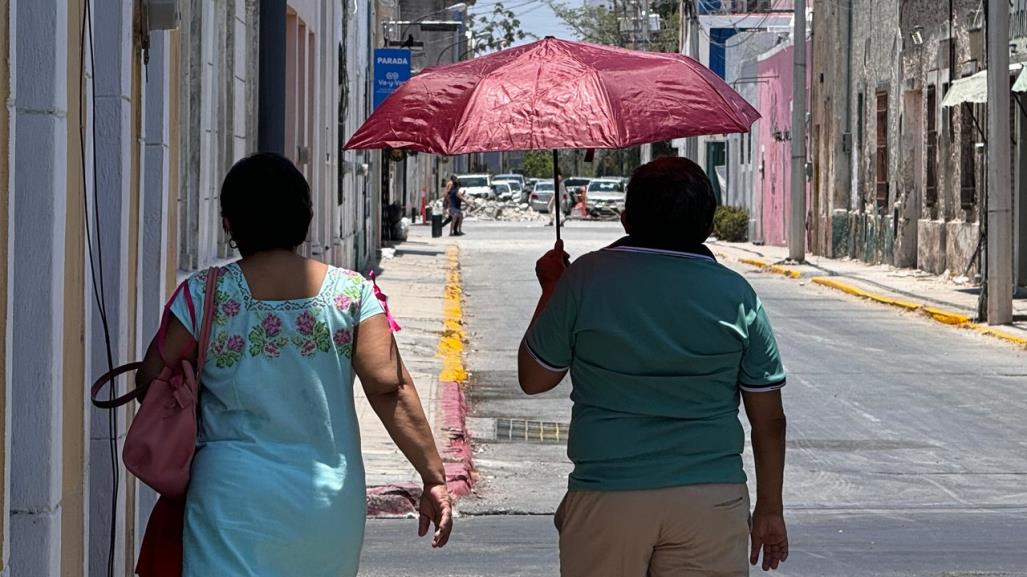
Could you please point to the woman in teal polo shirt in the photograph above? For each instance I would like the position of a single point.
(662, 343)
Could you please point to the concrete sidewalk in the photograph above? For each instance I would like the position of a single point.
(415, 278)
(947, 300)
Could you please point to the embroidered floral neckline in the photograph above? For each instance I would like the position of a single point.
(252, 303)
(309, 332)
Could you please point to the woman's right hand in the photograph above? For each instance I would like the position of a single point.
(436, 507)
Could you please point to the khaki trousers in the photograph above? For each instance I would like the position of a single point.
(689, 531)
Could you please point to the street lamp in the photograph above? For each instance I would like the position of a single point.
(458, 7)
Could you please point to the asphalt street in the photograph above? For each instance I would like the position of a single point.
(907, 439)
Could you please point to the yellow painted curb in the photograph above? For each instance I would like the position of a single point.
(856, 291)
(948, 317)
(451, 343)
(940, 315)
(999, 334)
(764, 265)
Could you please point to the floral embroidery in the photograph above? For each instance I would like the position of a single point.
(343, 342)
(230, 308)
(348, 300)
(313, 335)
(266, 339)
(343, 302)
(227, 350)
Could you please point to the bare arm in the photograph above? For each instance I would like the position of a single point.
(766, 415)
(532, 375)
(392, 396)
(177, 341)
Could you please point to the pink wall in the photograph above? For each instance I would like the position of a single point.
(775, 154)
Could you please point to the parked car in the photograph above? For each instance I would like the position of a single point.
(518, 178)
(517, 191)
(605, 197)
(573, 185)
(476, 185)
(539, 199)
(502, 190)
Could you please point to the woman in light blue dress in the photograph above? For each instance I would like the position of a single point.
(277, 487)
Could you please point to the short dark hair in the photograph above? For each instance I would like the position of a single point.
(267, 204)
(670, 200)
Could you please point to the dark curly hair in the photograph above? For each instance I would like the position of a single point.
(670, 201)
(266, 203)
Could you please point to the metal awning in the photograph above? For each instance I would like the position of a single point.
(974, 89)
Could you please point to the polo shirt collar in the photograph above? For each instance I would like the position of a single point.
(686, 250)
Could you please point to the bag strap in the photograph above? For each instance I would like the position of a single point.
(162, 331)
(210, 293)
(209, 303)
(110, 376)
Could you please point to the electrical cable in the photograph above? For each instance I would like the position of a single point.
(96, 268)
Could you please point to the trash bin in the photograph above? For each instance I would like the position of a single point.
(436, 225)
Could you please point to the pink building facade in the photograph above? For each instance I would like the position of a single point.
(771, 197)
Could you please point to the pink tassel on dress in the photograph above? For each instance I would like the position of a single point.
(384, 299)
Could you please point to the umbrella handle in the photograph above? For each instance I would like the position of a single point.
(558, 205)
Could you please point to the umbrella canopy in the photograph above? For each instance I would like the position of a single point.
(555, 94)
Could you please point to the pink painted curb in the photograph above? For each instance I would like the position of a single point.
(400, 500)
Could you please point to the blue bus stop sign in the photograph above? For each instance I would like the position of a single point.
(391, 68)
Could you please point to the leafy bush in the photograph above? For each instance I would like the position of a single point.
(731, 224)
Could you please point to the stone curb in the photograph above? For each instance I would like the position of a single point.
(400, 500)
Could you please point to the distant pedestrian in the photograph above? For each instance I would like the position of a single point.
(455, 200)
(450, 184)
(661, 342)
(277, 483)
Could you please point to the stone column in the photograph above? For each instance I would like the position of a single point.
(37, 208)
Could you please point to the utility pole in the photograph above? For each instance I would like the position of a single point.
(271, 95)
(692, 13)
(646, 152)
(1000, 210)
(797, 222)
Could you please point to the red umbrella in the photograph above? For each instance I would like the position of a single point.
(555, 94)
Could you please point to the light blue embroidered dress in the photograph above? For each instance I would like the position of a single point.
(277, 486)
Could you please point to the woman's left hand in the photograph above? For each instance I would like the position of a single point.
(436, 508)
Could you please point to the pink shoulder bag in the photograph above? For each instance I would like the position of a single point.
(161, 441)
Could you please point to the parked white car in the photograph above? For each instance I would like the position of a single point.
(519, 178)
(476, 185)
(517, 191)
(502, 190)
(605, 196)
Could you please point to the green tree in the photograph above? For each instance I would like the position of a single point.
(599, 25)
(538, 164)
(497, 30)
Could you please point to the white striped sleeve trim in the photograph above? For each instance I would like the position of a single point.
(542, 363)
(775, 386)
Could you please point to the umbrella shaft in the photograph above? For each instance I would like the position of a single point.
(558, 203)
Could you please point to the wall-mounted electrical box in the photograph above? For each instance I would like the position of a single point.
(161, 14)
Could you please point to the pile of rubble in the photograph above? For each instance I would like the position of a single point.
(501, 210)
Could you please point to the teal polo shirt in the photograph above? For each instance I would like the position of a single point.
(659, 345)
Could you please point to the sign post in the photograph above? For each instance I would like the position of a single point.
(391, 69)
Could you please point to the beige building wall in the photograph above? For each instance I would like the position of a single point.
(76, 423)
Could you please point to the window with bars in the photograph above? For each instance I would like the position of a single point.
(882, 149)
(967, 160)
(931, 188)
